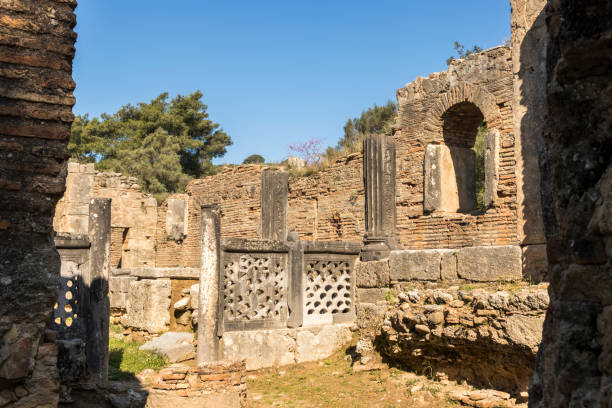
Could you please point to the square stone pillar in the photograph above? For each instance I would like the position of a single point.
(274, 207)
(97, 307)
(210, 269)
(379, 183)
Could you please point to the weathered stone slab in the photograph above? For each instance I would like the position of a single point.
(535, 262)
(371, 295)
(380, 209)
(489, 263)
(448, 265)
(449, 179)
(274, 204)
(118, 300)
(120, 284)
(158, 273)
(148, 305)
(373, 274)
(261, 348)
(491, 166)
(419, 265)
(176, 219)
(175, 346)
(315, 345)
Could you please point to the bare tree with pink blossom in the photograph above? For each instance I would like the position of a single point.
(309, 151)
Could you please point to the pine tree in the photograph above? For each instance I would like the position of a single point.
(163, 143)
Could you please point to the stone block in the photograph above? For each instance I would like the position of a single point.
(313, 345)
(535, 262)
(371, 295)
(193, 293)
(448, 265)
(373, 274)
(494, 263)
(419, 265)
(148, 306)
(491, 166)
(370, 319)
(449, 179)
(120, 284)
(118, 300)
(260, 348)
(176, 219)
(176, 347)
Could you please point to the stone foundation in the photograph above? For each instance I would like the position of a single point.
(270, 348)
(486, 337)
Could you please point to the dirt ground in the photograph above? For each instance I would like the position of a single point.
(332, 383)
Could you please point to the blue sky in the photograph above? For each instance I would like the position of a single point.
(272, 72)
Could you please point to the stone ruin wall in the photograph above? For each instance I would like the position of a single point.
(326, 206)
(133, 213)
(329, 205)
(485, 80)
(574, 365)
(36, 86)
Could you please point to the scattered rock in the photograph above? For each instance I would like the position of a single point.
(182, 304)
(176, 347)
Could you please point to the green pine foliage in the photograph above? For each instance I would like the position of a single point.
(164, 143)
(377, 119)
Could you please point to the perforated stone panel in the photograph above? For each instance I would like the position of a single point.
(328, 288)
(66, 311)
(254, 290)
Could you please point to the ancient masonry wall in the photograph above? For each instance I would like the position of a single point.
(325, 206)
(133, 213)
(133, 220)
(574, 364)
(36, 52)
(329, 205)
(484, 80)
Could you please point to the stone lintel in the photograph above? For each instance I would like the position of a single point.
(253, 245)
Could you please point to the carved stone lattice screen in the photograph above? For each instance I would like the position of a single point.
(328, 288)
(254, 290)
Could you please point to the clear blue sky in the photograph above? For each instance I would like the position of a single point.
(272, 72)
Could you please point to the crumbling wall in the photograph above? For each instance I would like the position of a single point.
(485, 336)
(325, 206)
(529, 44)
(574, 367)
(36, 52)
(133, 220)
(427, 107)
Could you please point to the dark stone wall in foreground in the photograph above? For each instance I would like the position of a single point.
(36, 99)
(574, 364)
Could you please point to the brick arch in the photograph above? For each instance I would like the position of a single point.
(480, 97)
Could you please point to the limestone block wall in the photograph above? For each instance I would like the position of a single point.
(72, 211)
(133, 213)
(36, 99)
(133, 220)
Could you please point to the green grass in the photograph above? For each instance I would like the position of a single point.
(125, 360)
